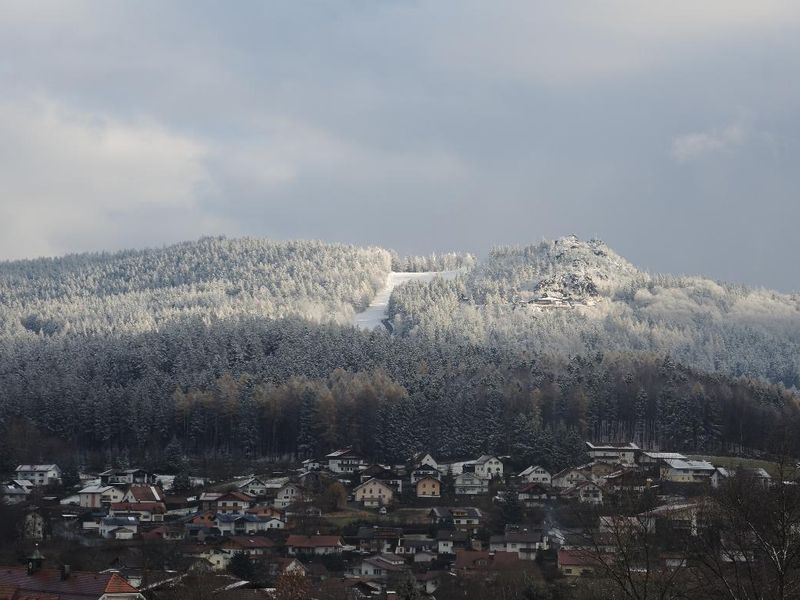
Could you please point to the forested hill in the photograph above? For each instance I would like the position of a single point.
(571, 297)
(244, 348)
(213, 278)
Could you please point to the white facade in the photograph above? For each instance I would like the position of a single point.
(39, 475)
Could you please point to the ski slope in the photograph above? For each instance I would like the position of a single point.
(375, 313)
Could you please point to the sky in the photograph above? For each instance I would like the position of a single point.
(670, 129)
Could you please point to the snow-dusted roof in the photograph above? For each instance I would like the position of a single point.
(690, 465)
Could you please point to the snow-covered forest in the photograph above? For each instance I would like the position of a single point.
(603, 303)
(213, 278)
(244, 348)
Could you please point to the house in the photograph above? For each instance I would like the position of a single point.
(145, 512)
(344, 461)
(428, 487)
(92, 496)
(217, 558)
(250, 545)
(424, 471)
(378, 539)
(686, 471)
(313, 544)
(374, 493)
(252, 486)
(488, 466)
(570, 477)
(411, 544)
(143, 493)
(281, 566)
(466, 518)
(524, 543)
(577, 563)
(381, 566)
(470, 484)
(15, 491)
(35, 582)
(681, 516)
(234, 503)
(533, 494)
(586, 492)
(599, 469)
(289, 493)
(39, 475)
(656, 459)
(614, 453)
(476, 561)
(381, 473)
(171, 532)
(208, 500)
(627, 480)
(424, 459)
(535, 474)
(450, 540)
(238, 524)
(109, 525)
(126, 477)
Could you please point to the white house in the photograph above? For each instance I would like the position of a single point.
(39, 475)
(92, 496)
(535, 474)
(488, 466)
(570, 477)
(524, 543)
(344, 461)
(288, 494)
(252, 485)
(109, 525)
(686, 471)
(469, 484)
(623, 453)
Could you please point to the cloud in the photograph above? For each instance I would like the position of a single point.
(693, 146)
(67, 175)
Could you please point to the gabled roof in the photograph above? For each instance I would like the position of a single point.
(375, 482)
(344, 452)
(612, 447)
(689, 465)
(531, 470)
(235, 495)
(36, 467)
(146, 493)
(484, 459)
(577, 558)
(96, 489)
(533, 488)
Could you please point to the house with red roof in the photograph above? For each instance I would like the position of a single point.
(28, 583)
(147, 512)
(479, 561)
(577, 563)
(234, 503)
(313, 544)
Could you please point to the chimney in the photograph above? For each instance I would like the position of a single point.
(65, 572)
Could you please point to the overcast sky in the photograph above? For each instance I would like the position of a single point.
(670, 129)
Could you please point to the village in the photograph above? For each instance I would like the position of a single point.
(341, 527)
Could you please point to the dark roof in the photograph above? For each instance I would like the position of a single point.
(47, 583)
(313, 541)
(489, 561)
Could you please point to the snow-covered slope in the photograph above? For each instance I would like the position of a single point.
(375, 313)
